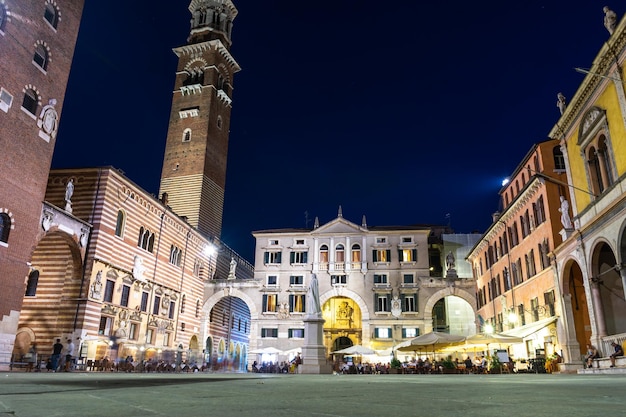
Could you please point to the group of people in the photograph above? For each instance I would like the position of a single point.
(62, 357)
(593, 353)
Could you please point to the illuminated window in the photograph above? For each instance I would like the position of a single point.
(381, 255)
(297, 303)
(270, 303)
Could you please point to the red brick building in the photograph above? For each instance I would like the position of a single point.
(37, 40)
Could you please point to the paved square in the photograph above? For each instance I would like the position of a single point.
(257, 395)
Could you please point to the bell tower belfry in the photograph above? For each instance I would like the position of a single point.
(194, 166)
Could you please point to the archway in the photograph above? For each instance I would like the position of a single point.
(609, 283)
(341, 342)
(229, 323)
(574, 286)
(451, 310)
(343, 323)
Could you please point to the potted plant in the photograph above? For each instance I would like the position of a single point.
(495, 366)
(448, 366)
(396, 364)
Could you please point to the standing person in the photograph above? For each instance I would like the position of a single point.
(69, 354)
(32, 357)
(57, 348)
(618, 351)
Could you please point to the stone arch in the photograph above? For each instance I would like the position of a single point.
(343, 292)
(448, 291)
(233, 292)
(607, 288)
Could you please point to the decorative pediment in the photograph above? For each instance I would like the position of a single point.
(592, 119)
(112, 274)
(107, 309)
(338, 226)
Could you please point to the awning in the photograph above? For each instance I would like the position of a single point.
(530, 328)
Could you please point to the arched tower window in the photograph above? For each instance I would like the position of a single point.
(324, 254)
(5, 227)
(355, 255)
(51, 14)
(30, 102)
(187, 135)
(41, 56)
(3, 15)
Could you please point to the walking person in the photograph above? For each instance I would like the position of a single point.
(57, 348)
(69, 354)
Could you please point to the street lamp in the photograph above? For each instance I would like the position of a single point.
(488, 328)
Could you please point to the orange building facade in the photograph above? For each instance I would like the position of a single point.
(516, 287)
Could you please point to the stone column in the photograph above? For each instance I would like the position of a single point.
(313, 351)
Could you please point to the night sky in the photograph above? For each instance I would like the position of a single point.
(401, 111)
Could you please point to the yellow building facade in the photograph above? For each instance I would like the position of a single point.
(590, 262)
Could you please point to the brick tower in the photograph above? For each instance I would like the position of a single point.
(37, 41)
(194, 166)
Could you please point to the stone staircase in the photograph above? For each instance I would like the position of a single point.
(602, 366)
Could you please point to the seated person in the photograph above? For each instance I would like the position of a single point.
(618, 351)
(592, 353)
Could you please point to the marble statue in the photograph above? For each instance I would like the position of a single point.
(313, 296)
(69, 190)
(450, 261)
(610, 19)
(560, 102)
(233, 267)
(564, 209)
(138, 268)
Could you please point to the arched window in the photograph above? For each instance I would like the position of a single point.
(323, 254)
(355, 256)
(597, 186)
(41, 56)
(182, 303)
(187, 135)
(146, 239)
(51, 14)
(119, 224)
(5, 227)
(30, 101)
(339, 253)
(197, 308)
(31, 287)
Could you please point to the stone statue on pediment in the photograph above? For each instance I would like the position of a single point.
(610, 19)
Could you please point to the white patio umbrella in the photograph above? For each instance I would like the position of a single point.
(434, 340)
(356, 350)
(266, 351)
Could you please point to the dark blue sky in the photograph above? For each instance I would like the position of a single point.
(402, 111)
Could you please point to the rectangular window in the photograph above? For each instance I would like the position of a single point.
(150, 336)
(549, 300)
(272, 257)
(133, 331)
(296, 280)
(270, 303)
(299, 241)
(125, 295)
(382, 302)
(382, 333)
(408, 278)
(297, 303)
(407, 239)
(381, 255)
(409, 303)
(534, 308)
(339, 279)
(172, 309)
(522, 314)
(166, 338)
(407, 255)
(273, 242)
(108, 291)
(156, 305)
(410, 332)
(272, 281)
(5, 100)
(298, 257)
(380, 279)
(144, 301)
(269, 332)
(381, 240)
(105, 325)
(296, 333)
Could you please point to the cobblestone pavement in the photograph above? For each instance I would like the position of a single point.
(257, 395)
